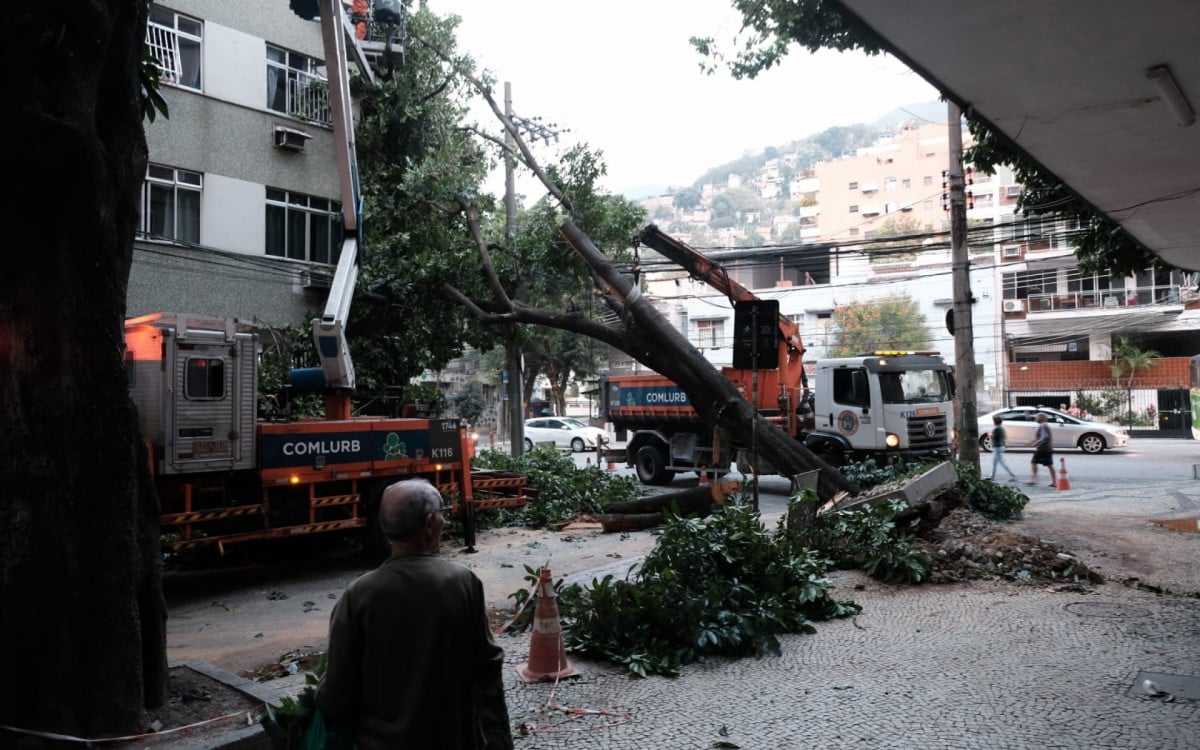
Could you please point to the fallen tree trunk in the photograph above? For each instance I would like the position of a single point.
(686, 500)
(648, 512)
(630, 521)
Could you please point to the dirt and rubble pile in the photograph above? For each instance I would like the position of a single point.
(964, 545)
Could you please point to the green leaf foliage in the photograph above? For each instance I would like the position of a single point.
(866, 538)
(415, 160)
(770, 27)
(720, 585)
(285, 724)
(868, 474)
(890, 322)
(153, 103)
(996, 501)
(563, 489)
(544, 271)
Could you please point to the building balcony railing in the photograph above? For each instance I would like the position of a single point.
(308, 98)
(1106, 299)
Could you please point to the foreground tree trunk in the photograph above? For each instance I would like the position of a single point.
(80, 583)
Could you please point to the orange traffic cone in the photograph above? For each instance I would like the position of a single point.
(703, 475)
(1063, 482)
(547, 654)
(612, 465)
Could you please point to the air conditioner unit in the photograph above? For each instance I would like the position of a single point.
(1011, 251)
(290, 138)
(1014, 305)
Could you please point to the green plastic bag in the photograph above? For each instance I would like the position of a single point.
(327, 735)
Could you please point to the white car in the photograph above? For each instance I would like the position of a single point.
(1066, 431)
(564, 432)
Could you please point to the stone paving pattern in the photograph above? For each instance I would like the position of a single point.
(979, 665)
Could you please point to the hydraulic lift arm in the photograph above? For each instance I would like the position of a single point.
(329, 331)
(695, 263)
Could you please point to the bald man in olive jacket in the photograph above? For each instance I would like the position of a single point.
(411, 661)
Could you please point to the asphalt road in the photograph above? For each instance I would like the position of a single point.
(1144, 458)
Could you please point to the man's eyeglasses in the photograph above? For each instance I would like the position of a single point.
(444, 509)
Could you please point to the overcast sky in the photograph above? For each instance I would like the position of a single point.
(622, 76)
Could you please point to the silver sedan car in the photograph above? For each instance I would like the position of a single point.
(1067, 432)
(564, 432)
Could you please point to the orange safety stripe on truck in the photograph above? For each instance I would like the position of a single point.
(177, 519)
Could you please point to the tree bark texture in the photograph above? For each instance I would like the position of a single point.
(81, 606)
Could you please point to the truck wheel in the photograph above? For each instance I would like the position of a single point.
(830, 452)
(652, 466)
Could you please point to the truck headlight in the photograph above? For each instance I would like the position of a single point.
(892, 440)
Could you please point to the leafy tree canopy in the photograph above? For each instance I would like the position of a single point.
(890, 322)
(897, 238)
(558, 278)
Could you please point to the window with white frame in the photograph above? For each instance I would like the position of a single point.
(710, 333)
(303, 227)
(171, 204)
(297, 86)
(174, 41)
(1023, 284)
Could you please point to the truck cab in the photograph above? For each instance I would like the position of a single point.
(894, 404)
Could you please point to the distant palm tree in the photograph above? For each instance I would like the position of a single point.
(1127, 361)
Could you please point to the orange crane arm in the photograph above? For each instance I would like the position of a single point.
(791, 346)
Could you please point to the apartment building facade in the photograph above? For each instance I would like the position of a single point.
(240, 205)
(1044, 331)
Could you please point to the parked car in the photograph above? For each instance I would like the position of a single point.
(1067, 432)
(564, 432)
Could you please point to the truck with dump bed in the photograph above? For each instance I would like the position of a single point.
(885, 405)
(224, 475)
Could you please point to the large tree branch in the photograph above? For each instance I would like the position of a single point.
(490, 313)
(485, 257)
(528, 160)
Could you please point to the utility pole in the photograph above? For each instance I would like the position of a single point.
(964, 331)
(512, 349)
(535, 129)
